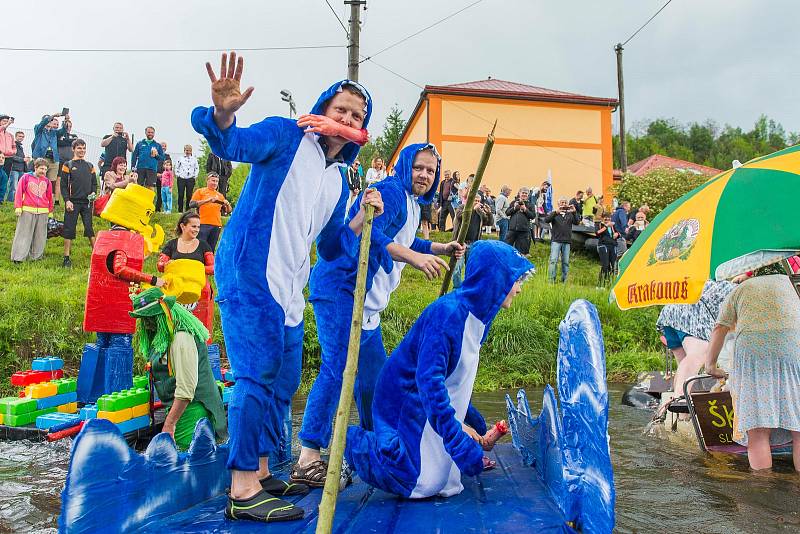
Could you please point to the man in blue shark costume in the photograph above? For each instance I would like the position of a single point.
(295, 194)
(394, 243)
(420, 445)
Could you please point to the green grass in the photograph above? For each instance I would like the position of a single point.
(41, 312)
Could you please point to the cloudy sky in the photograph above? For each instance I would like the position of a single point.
(726, 60)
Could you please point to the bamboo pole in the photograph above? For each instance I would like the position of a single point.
(466, 215)
(327, 507)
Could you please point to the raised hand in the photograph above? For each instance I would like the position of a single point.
(323, 125)
(226, 93)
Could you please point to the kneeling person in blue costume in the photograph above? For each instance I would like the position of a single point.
(332, 284)
(420, 445)
(295, 195)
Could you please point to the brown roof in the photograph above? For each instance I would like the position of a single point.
(504, 89)
(657, 161)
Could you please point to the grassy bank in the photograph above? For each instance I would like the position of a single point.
(41, 312)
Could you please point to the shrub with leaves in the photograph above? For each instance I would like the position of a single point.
(658, 188)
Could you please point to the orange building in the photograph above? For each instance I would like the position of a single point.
(539, 131)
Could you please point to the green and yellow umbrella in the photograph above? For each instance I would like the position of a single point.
(741, 219)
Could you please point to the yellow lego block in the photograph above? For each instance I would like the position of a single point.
(40, 391)
(1, 418)
(115, 417)
(72, 407)
(138, 411)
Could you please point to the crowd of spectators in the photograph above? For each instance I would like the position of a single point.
(57, 170)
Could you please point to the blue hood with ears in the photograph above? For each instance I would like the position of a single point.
(492, 269)
(405, 164)
(350, 150)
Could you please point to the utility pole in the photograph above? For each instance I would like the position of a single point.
(352, 45)
(623, 157)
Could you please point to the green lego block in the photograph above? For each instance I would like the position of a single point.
(17, 406)
(141, 381)
(26, 418)
(119, 400)
(66, 385)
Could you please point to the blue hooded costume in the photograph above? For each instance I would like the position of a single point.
(332, 285)
(293, 196)
(418, 447)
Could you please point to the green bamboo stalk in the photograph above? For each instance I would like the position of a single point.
(327, 507)
(466, 215)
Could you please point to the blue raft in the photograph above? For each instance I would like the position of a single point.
(556, 475)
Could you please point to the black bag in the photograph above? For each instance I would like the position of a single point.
(55, 228)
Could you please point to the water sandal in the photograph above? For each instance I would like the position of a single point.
(488, 463)
(262, 507)
(312, 475)
(281, 488)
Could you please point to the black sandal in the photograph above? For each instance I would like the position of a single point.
(262, 507)
(312, 475)
(281, 488)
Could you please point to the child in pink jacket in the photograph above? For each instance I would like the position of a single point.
(33, 203)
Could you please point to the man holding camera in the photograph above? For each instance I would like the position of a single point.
(561, 220)
(521, 212)
(117, 144)
(45, 145)
(146, 155)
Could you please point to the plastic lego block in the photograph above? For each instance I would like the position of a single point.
(52, 419)
(72, 407)
(1, 418)
(123, 399)
(16, 406)
(88, 412)
(116, 416)
(56, 400)
(134, 424)
(227, 393)
(48, 363)
(105, 369)
(40, 391)
(229, 376)
(26, 418)
(66, 385)
(213, 359)
(141, 381)
(26, 378)
(140, 410)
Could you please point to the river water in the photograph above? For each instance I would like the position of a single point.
(663, 485)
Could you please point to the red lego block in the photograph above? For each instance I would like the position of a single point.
(26, 378)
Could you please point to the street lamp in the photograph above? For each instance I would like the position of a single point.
(286, 96)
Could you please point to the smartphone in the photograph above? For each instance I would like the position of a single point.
(65, 111)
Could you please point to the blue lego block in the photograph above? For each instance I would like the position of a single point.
(48, 363)
(88, 412)
(229, 376)
(213, 359)
(56, 400)
(227, 393)
(56, 418)
(105, 369)
(134, 424)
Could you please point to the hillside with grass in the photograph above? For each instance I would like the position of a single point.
(41, 312)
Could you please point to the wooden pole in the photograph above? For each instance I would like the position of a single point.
(623, 155)
(466, 215)
(327, 507)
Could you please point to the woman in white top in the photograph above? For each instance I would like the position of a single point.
(186, 170)
(377, 172)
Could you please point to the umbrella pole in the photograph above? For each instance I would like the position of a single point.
(330, 492)
(466, 215)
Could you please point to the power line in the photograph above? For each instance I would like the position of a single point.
(646, 23)
(347, 33)
(484, 119)
(420, 31)
(162, 50)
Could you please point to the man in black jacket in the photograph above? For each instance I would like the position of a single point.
(561, 220)
(446, 189)
(223, 168)
(521, 213)
(78, 185)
